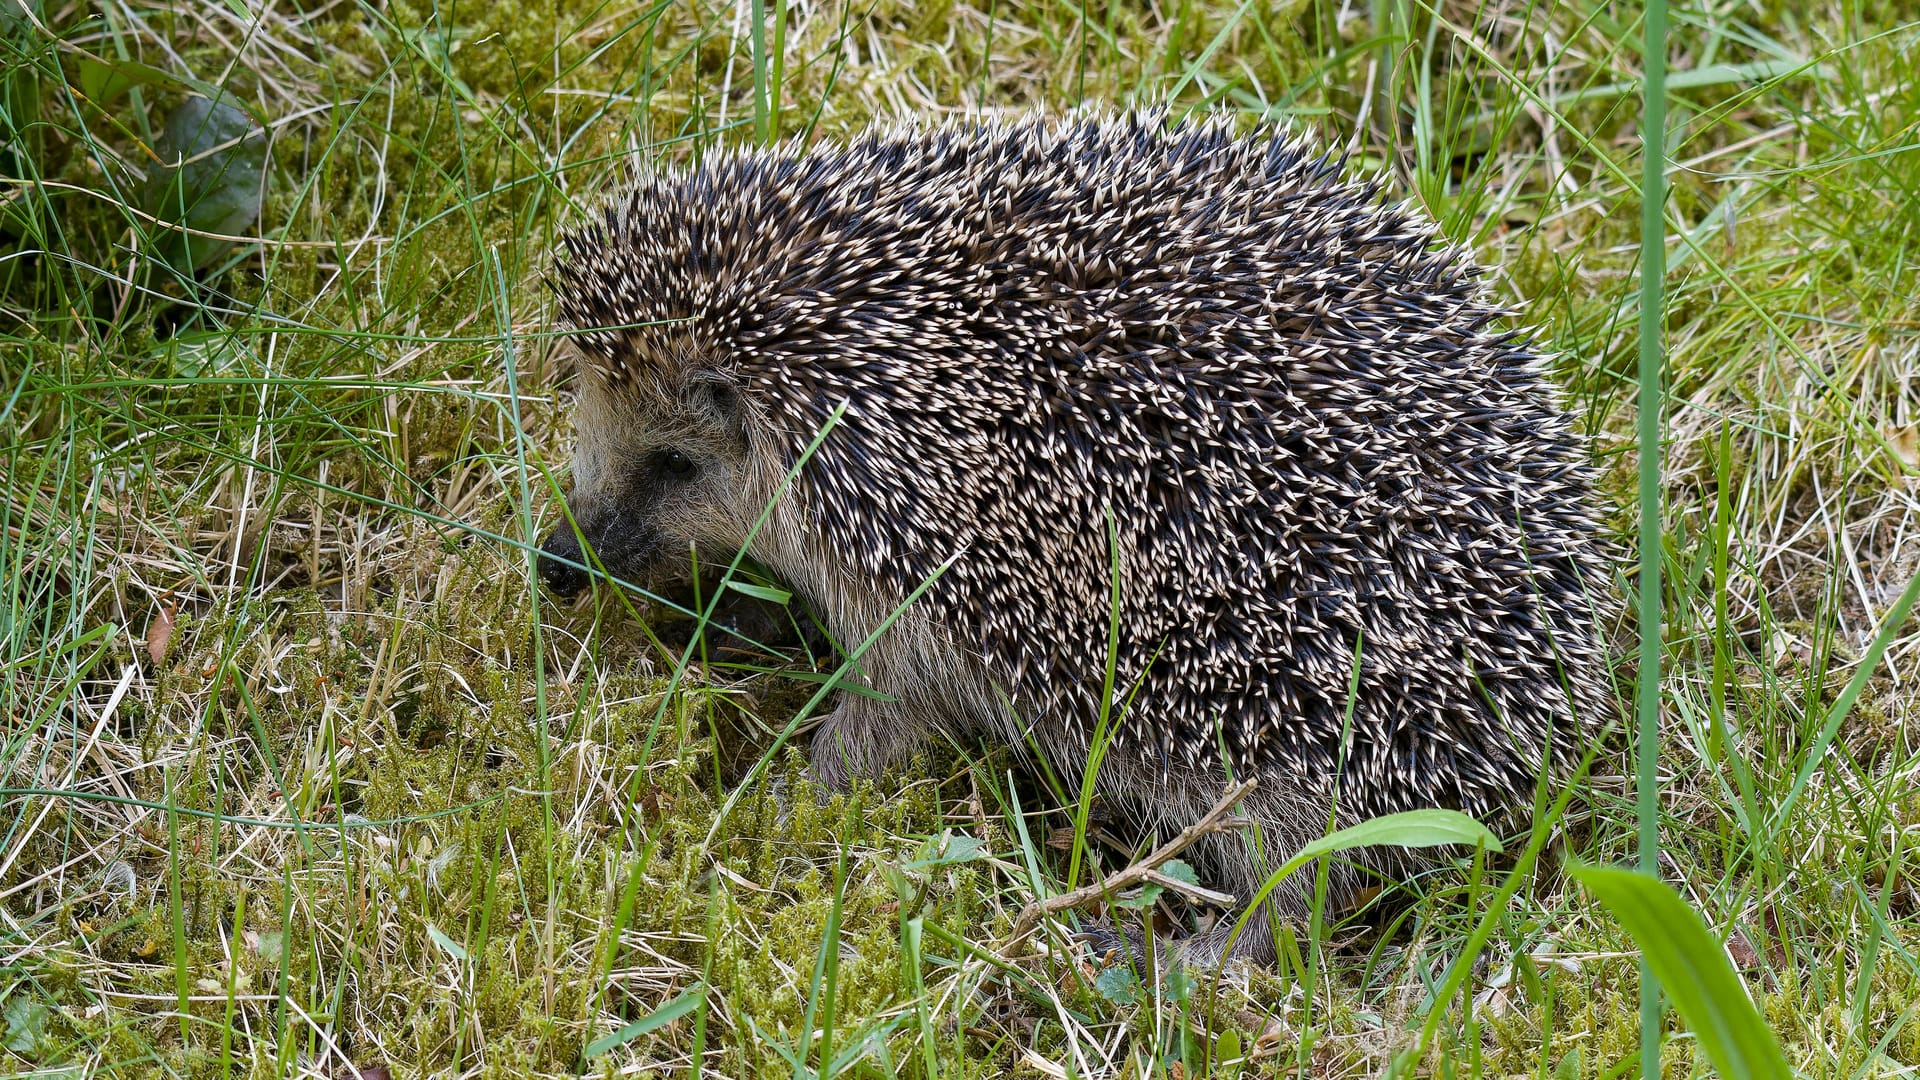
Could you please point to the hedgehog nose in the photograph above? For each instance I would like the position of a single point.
(564, 579)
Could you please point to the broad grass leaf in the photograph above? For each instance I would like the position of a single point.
(20, 94)
(760, 592)
(14, 15)
(688, 1001)
(1693, 970)
(214, 159)
(447, 944)
(198, 354)
(1410, 829)
(103, 80)
(103, 83)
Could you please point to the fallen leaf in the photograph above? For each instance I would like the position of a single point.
(160, 634)
(1905, 443)
(1741, 950)
(1776, 949)
(1270, 1039)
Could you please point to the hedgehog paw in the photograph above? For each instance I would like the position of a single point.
(1200, 954)
(827, 777)
(1214, 949)
(860, 741)
(807, 787)
(1113, 946)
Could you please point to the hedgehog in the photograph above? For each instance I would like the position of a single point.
(1111, 393)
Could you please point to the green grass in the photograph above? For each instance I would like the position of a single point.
(305, 775)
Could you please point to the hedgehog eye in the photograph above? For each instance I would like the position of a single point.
(676, 463)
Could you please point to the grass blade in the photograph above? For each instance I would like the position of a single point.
(1693, 970)
(1651, 404)
(1889, 627)
(689, 1000)
(1409, 829)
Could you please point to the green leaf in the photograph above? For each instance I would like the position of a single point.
(1118, 984)
(26, 1024)
(1692, 968)
(1411, 829)
(214, 159)
(948, 849)
(688, 1001)
(1227, 1047)
(1176, 869)
(447, 945)
(761, 592)
(269, 945)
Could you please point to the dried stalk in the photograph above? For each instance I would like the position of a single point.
(1146, 870)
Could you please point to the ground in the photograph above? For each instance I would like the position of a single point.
(303, 775)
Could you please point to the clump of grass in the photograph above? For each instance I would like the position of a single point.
(303, 775)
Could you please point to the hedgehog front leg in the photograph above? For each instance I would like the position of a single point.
(861, 738)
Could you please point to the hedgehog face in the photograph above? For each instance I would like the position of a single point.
(657, 469)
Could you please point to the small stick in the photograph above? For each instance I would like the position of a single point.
(1146, 870)
(1195, 893)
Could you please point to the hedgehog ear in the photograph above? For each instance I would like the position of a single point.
(717, 396)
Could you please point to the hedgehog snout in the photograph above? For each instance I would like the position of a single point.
(625, 545)
(563, 578)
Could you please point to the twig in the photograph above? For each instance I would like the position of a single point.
(1195, 893)
(1145, 870)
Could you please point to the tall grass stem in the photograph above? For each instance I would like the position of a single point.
(1652, 403)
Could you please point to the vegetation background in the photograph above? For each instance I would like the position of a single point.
(302, 775)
